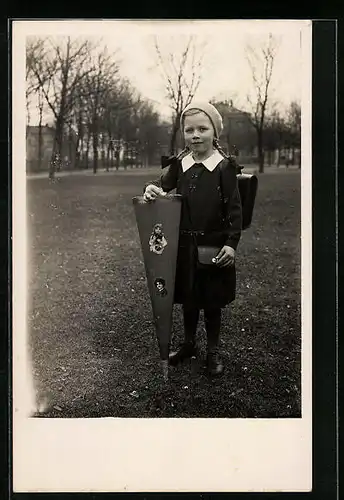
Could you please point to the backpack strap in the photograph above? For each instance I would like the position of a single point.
(225, 194)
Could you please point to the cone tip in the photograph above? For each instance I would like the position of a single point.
(164, 366)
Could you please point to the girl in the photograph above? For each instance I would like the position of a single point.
(207, 219)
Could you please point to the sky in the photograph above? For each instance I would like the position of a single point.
(225, 71)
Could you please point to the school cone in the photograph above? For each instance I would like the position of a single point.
(158, 225)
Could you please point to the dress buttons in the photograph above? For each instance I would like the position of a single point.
(194, 176)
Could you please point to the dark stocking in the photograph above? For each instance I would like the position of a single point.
(191, 316)
(212, 318)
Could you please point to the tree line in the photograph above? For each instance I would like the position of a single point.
(280, 134)
(273, 130)
(270, 130)
(79, 82)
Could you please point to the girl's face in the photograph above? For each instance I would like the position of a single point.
(198, 133)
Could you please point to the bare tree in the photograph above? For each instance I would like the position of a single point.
(59, 73)
(40, 122)
(98, 85)
(34, 56)
(78, 123)
(117, 116)
(93, 107)
(261, 62)
(182, 76)
(294, 124)
(274, 135)
(151, 130)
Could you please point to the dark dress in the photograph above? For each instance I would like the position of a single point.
(215, 220)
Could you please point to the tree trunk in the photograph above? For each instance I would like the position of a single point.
(260, 151)
(111, 152)
(110, 149)
(78, 144)
(293, 156)
(129, 159)
(117, 155)
(287, 157)
(105, 165)
(175, 128)
(40, 136)
(57, 148)
(108, 157)
(70, 148)
(95, 151)
(87, 150)
(77, 159)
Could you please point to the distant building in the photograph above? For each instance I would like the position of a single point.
(32, 148)
(238, 136)
(33, 162)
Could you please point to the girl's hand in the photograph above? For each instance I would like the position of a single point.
(152, 192)
(226, 257)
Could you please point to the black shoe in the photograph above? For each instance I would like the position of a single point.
(186, 351)
(214, 364)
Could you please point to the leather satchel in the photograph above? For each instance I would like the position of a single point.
(248, 184)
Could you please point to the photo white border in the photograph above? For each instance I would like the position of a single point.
(154, 455)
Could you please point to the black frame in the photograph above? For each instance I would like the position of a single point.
(325, 293)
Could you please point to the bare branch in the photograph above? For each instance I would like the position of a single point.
(261, 63)
(181, 75)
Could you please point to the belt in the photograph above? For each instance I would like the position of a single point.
(211, 234)
(191, 233)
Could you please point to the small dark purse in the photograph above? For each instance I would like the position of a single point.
(206, 255)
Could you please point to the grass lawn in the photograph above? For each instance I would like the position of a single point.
(90, 322)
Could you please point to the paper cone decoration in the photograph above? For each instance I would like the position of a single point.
(158, 226)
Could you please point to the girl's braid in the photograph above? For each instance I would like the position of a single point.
(220, 150)
(183, 153)
(230, 158)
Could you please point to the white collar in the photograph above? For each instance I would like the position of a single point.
(210, 163)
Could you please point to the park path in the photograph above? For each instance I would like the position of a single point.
(141, 171)
(89, 172)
